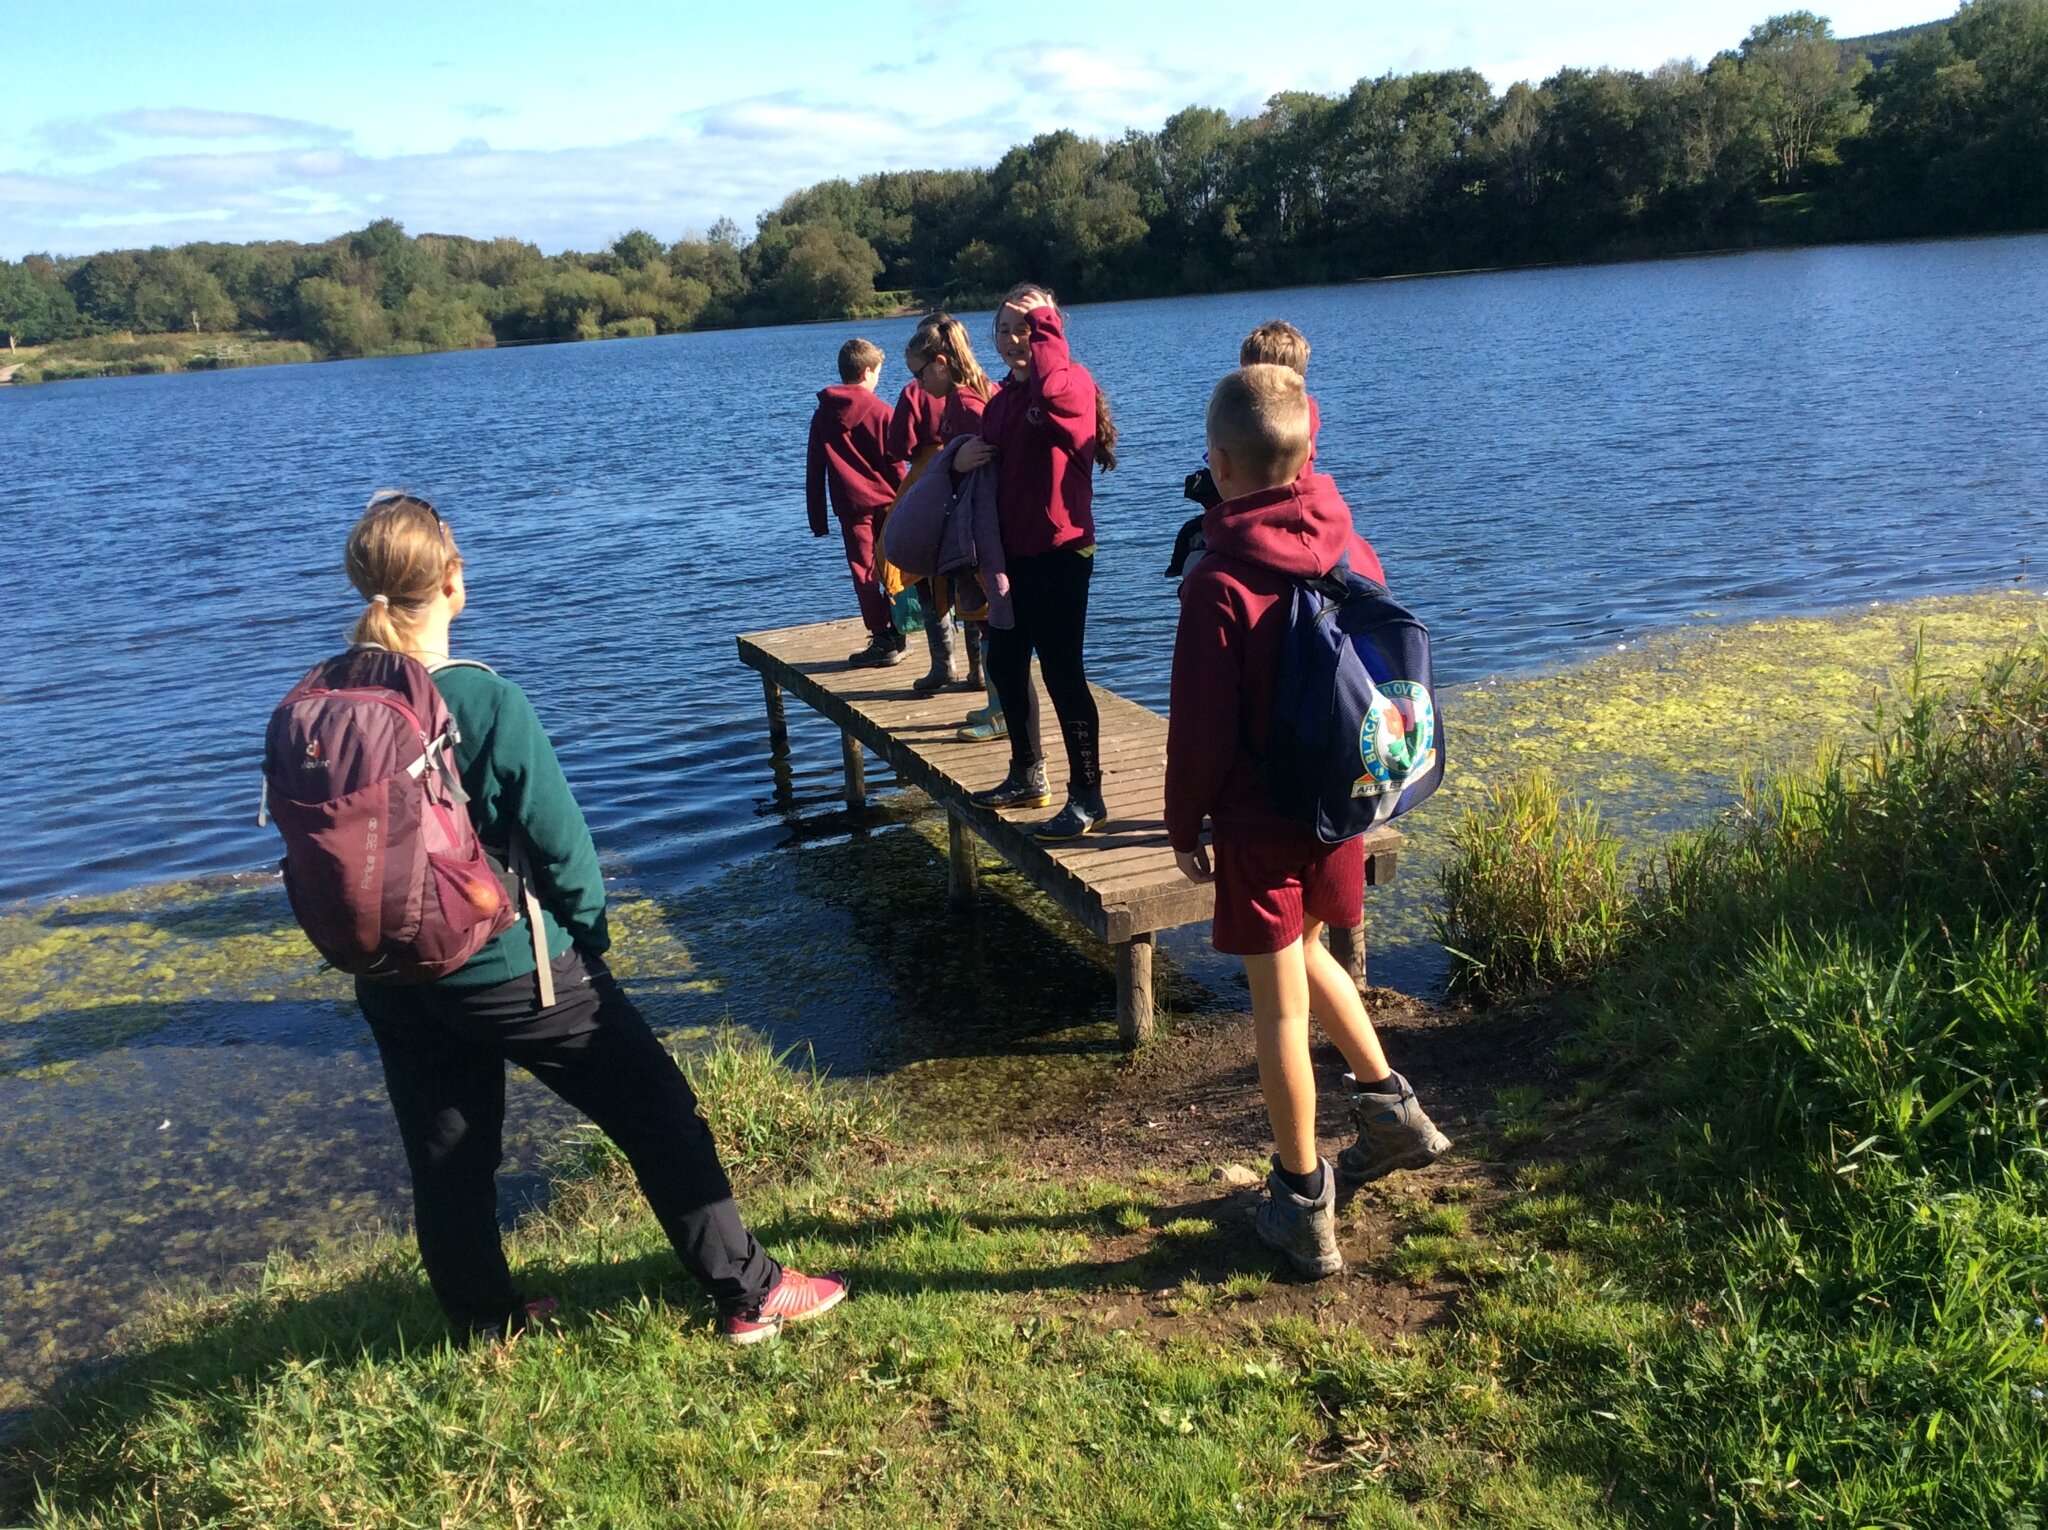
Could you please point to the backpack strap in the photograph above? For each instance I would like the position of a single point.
(517, 862)
(522, 868)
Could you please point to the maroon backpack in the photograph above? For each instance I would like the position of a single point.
(382, 865)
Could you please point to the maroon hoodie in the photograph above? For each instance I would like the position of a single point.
(915, 422)
(1043, 429)
(1226, 655)
(962, 415)
(849, 454)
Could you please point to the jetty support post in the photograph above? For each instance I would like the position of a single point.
(963, 876)
(1134, 990)
(856, 772)
(1347, 944)
(778, 720)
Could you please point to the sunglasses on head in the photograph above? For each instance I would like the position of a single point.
(393, 496)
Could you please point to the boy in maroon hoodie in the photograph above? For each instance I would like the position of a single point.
(850, 462)
(1277, 884)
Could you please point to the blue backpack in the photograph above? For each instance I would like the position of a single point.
(1357, 739)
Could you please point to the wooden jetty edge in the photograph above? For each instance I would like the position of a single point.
(1120, 882)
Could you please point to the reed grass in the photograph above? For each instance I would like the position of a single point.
(1534, 893)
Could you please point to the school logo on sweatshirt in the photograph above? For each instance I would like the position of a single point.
(1396, 738)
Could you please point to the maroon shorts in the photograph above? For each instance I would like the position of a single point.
(1267, 884)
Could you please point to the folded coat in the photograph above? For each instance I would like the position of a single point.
(937, 528)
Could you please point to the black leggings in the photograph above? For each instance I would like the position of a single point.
(444, 1054)
(1050, 593)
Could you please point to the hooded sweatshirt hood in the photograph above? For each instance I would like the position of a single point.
(1226, 657)
(849, 459)
(839, 401)
(1299, 529)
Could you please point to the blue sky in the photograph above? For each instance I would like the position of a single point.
(134, 122)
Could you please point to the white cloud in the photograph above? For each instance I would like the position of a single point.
(83, 137)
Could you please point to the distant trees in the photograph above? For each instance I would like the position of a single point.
(34, 306)
(1790, 135)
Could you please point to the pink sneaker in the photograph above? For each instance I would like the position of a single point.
(797, 1298)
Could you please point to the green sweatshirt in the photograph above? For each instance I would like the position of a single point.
(509, 769)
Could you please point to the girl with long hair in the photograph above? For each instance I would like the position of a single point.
(941, 361)
(1047, 430)
(444, 1044)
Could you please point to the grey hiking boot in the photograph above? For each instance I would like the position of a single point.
(1394, 1132)
(1304, 1230)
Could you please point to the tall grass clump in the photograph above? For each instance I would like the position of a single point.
(774, 1114)
(1834, 1007)
(1534, 892)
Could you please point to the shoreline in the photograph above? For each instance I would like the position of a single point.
(196, 1003)
(1060, 1311)
(900, 311)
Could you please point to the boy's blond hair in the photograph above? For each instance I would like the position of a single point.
(1275, 343)
(857, 358)
(1258, 416)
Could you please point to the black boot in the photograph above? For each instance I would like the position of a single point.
(1083, 814)
(1021, 788)
(945, 670)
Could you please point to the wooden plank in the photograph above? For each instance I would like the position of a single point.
(1347, 945)
(778, 720)
(1119, 883)
(963, 877)
(856, 772)
(1134, 990)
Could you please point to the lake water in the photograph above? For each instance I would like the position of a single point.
(1546, 461)
(1550, 463)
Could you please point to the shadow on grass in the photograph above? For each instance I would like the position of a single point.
(386, 1313)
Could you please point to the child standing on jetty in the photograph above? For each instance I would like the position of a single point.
(1274, 343)
(942, 364)
(444, 1044)
(1277, 884)
(1047, 429)
(849, 461)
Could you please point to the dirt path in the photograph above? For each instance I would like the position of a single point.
(1189, 1106)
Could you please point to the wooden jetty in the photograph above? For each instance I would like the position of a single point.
(1120, 882)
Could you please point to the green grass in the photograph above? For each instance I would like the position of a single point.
(1533, 890)
(1825, 1253)
(1784, 1262)
(126, 355)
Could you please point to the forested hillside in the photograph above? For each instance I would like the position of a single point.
(1790, 137)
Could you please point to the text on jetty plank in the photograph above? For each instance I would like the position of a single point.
(1120, 882)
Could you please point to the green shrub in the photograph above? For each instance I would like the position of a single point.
(774, 1113)
(1534, 892)
(1835, 1013)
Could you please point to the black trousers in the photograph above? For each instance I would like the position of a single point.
(1050, 593)
(444, 1053)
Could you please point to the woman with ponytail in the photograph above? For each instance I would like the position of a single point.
(444, 1044)
(1047, 430)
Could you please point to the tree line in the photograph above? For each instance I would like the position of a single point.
(1793, 136)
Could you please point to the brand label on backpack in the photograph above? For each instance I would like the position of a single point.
(1396, 738)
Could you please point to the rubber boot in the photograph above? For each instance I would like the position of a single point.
(975, 681)
(945, 670)
(985, 723)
